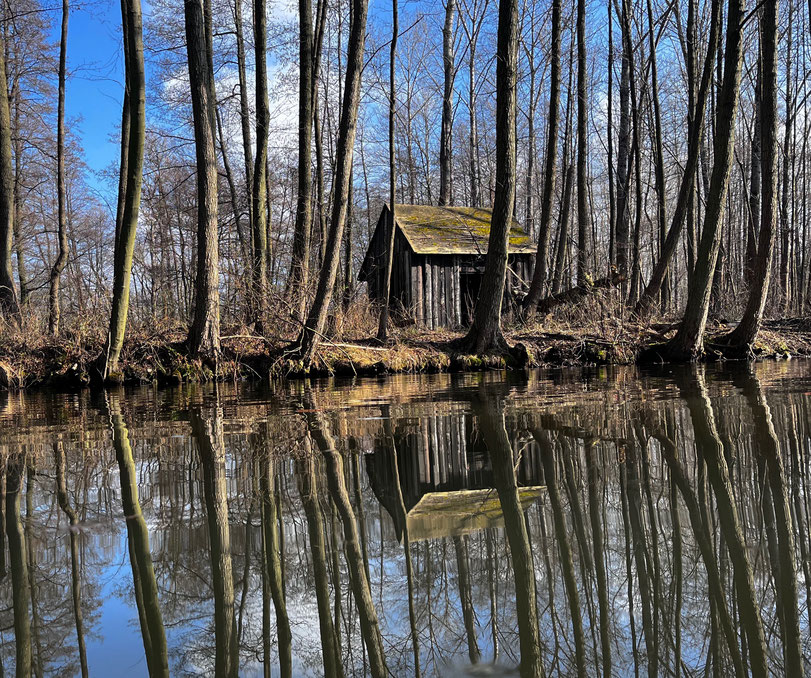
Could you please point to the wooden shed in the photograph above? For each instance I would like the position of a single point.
(439, 258)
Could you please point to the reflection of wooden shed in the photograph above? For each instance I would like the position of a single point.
(439, 257)
(445, 477)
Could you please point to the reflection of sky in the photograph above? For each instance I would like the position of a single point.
(169, 474)
(118, 647)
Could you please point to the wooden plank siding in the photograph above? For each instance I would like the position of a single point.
(426, 286)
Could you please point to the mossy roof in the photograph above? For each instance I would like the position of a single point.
(454, 230)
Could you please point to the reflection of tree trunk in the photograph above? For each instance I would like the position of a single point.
(354, 557)
(3, 570)
(797, 457)
(361, 511)
(640, 557)
(709, 445)
(626, 528)
(270, 544)
(491, 585)
(700, 530)
(76, 581)
(583, 550)
(574, 506)
(550, 581)
(246, 566)
(18, 556)
(208, 435)
(565, 550)
(595, 506)
(308, 488)
(415, 643)
(678, 566)
(143, 574)
(785, 568)
(336, 577)
(263, 564)
(491, 421)
(652, 554)
(32, 584)
(466, 596)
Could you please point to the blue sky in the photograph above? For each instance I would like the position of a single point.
(95, 89)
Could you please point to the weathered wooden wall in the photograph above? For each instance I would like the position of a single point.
(427, 287)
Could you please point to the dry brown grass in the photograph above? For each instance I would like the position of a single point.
(598, 330)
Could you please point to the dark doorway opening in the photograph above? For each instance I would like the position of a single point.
(469, 283)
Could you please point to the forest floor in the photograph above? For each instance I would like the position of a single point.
(158, 355)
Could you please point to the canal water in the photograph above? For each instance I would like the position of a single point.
(614, 521)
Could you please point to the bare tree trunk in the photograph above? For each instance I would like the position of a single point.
(744, 335)
(19, 249)
(349, 283)
(259, 197)
(132, 163)
(689, 340)
(382, 328)
(568, 183)
(485, 334)
(244, 108)
(623, 216)
(300, 263)
(753, 220)
(204, 333)
(540, 273)
(786, 209)
(446, 133)
(62, 256)
(9, 306)
(684, 201)
(582, 145)
(636, 152)
(612, 186)
(472, 36)
(659, 155)
(316, 320)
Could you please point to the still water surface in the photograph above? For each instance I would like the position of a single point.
(614, 522)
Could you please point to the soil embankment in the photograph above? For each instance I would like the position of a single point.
(161, 358)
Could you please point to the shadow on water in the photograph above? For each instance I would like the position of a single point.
(614, 523)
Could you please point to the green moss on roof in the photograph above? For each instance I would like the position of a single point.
(454, 230)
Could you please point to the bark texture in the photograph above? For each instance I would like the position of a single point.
(313, 329)
(204, 333)
(485, 334)
(689, 340)
(132, 163)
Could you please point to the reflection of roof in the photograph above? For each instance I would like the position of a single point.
(454, 230)
(441, 514)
